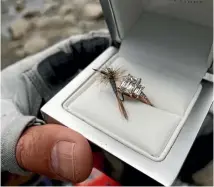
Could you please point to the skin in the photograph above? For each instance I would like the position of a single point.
(56, 152)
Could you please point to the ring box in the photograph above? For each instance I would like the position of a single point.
(169, 46)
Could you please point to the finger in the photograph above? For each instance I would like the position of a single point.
(55, 151)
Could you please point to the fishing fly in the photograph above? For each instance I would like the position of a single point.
(112, 75)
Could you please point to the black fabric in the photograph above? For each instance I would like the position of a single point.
(133, 177)
(199, 156)
(39, 115)
(58, 69)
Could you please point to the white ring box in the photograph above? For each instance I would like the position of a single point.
(168, 45)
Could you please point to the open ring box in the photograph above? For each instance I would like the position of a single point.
(168, 44)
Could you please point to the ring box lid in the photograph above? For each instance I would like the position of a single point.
(121, 15)
(171, 39)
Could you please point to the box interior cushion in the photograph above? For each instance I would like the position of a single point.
(150, 131)
(166, 90)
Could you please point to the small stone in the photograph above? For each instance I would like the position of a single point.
(86, 25)
(65, 9)
(50, 8)
(50, 22)
(19, 28)
(15, 44)
(4, 7)
(50, 1)
(92, 11)
(35, 44)
(51, 34)
(77, 3)
(68, 2)
(71, 31)
(29, 14)
(70, 19)
(20, 53)
(204, 177)
(20, 5)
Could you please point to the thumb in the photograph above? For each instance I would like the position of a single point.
(56, 152)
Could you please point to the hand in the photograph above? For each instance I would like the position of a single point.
(56, 152)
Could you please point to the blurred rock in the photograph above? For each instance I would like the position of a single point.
(92, 11)
(50, 1)
(204, 177)
(7, 54)
(86, 25)
(95, 1)
(20, 53)
(19, 28)
(4, 7)
(29, 14)
(65, 9)
(76, 3)
(52, 34)
(35, 44)
(67, 1)
(19, 5)
(38, 27)
(71, 31)
(15, 44)
(50, 22)
(50, 8)
(70, 19)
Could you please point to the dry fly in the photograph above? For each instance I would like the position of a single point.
(111, 75)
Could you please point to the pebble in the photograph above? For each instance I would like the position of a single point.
(35, 44)
(76, 3)
(204, 176)
(4, 7)
(15, 44)
(65, 9)
(29, 14)
(50, 22)
(19, 28)
(19, 5)
(50, 8)
(20, 53)
(71, 31)
(92, 11)
(70, 19)
(51, 34)
(50, 1)
(86, 25)
(36, 29)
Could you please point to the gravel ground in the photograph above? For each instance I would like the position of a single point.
(29, 26)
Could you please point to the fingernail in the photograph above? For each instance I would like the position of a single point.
(62, 159)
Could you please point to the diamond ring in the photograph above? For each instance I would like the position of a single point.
(131, 87)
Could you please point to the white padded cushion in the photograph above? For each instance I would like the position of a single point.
(100, 109)
(149, 130)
